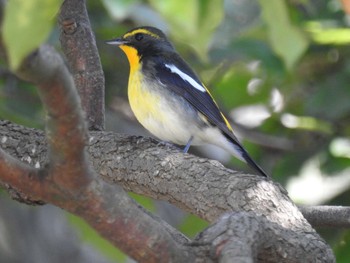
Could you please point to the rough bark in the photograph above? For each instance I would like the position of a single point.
(273, 227)
(327, 216)
(68, 181)
(79, 45)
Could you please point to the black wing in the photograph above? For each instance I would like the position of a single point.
(199, 99)
(173, 75)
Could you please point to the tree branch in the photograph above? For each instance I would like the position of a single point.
(68, 182)
(65, 124)
(248, 237)
(19, 178)
(256, 196)
(107, 146)
(79, 45)
(327, 216)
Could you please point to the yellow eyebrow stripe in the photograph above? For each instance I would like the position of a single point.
(141, 30)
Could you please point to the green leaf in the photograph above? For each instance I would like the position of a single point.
(328, 36)
(27, 23)
(287, 41)
(196, 24)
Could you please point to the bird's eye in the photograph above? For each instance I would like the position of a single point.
(139, 36)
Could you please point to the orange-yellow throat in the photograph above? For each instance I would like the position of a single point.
(133, 57)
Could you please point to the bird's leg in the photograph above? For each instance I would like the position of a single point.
(187, 147)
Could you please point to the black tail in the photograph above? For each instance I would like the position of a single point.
(252, 163)
(243, 154)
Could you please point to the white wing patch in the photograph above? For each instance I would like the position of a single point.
(185, 77)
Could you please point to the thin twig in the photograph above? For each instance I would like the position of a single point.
(327, 216)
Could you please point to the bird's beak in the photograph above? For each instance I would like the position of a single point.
(116, 42)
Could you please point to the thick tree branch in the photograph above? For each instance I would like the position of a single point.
(247, 237)
(104, 148)
(79, 45)
(19, 178)
(68, 165)
(69, 182)
(230, 191)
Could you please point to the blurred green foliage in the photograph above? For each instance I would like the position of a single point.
(287, 40)
(26, 25)
(279, 69)
(341, 247)
(191, 225)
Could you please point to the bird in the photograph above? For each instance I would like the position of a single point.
(168, 98)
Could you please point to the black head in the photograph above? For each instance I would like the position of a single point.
(146, 40)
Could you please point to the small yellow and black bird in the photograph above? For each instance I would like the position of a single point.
(168, 98)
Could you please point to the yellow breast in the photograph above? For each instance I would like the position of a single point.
(144, 103)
